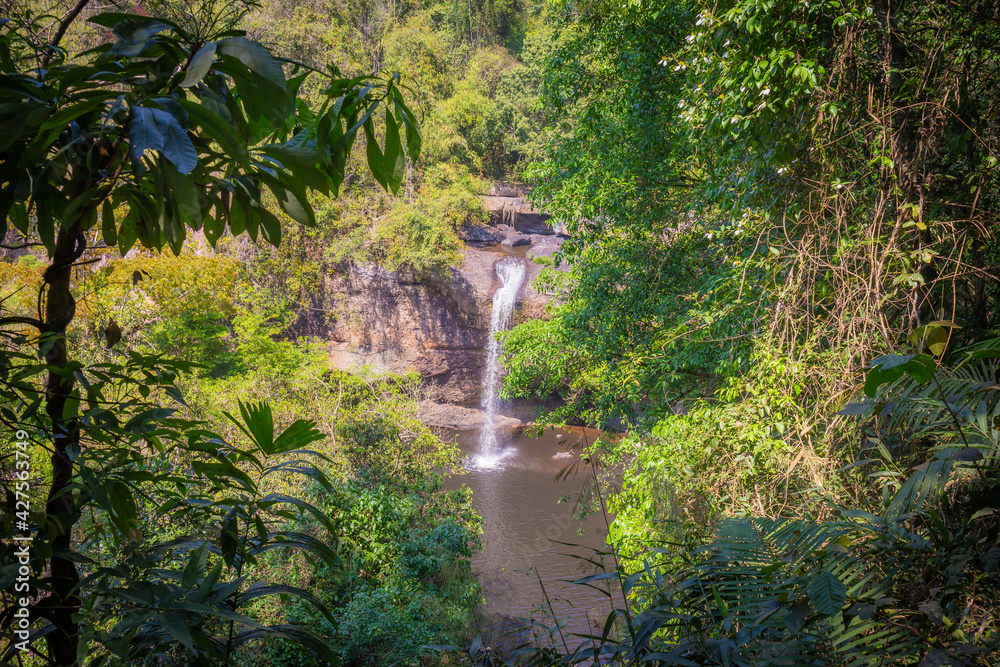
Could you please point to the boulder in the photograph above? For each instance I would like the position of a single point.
(516, 240)
(533, 222)
(456, 417)
(480, 234)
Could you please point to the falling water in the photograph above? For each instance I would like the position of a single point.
(511, 274)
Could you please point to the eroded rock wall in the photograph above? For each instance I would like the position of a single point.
(436, 326)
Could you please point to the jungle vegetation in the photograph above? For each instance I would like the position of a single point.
(780, 291)
(783, 287)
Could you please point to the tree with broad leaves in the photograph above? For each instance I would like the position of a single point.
(159, 132)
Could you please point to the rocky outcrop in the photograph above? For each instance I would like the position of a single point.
(436, 326)
(516, 240)
(459, 418)
(481, 234)
(508, 206)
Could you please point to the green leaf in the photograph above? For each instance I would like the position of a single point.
(413, 138)
(157, 129)
(144, 134)
(270, 226)
(177, 144)
(827, 593)
(200, 63)
(229, 537)
(393, 160)
(300, 434)
(135, 34)
(127, 234)
(288, 633)
(109, 230)
(262, 589)
(71, 408)
(376, 161)
(796, 617)
(144, 421)
(177, 627)
(217, 128)
(933, 336)
(195, 568)
(303, 162)
(890, 367)
(6, 202)
(257, 58)
(46, 223)
(124, 514)
(215, 224)
(257, 424)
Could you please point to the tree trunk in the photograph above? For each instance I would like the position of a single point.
(61, 513)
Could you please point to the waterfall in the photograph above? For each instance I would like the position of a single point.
(511, 274)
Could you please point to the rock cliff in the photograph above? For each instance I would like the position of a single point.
(435, 325)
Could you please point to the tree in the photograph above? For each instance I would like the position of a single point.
(162, 130)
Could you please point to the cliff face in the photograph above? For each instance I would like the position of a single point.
(437, 326)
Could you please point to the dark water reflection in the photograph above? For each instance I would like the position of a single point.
(519, 500)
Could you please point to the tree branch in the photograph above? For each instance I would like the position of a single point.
(30, 321)
(63, 27)
(30, 244)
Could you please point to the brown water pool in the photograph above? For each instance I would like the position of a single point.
(527, 514)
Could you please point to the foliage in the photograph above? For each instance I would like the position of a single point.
(765, 197)
(182, 124)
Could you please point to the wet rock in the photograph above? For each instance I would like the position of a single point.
(480, 234)
(516, 240)
(434, 325)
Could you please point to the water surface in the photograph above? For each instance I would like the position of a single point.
(519, 499)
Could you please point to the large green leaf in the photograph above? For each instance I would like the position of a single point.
(200, 63)
(262, 589)
(135, 34)
(157, 129)
(123, 511)
(292, 200)
(890, 367)
(376, 160)
(218, 128)
(300, 434)
(255, 57)
(827, 593)
(257, 424)
(177, 144)
(302, 160)
(289, 633)
(413, 138)
(394, 159)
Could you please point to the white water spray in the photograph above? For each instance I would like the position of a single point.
(511, 274)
